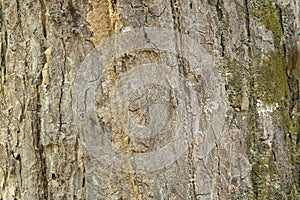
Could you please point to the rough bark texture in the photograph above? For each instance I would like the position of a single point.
(255, 46)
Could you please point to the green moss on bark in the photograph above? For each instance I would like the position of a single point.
(269, 85)
(270, 77)
(234, 84)
(266, 13)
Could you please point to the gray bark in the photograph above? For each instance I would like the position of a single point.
(249, 47)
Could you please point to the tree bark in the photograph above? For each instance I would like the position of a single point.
(242, 55)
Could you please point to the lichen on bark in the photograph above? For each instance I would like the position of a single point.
(270, 91)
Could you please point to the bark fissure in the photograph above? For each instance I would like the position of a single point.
(43, 18)
(222, 20)
(176, 14)
(36, 131)
(4, 43)
(247, 24)
(7, 164)
(192, 181)
(19, 159)
(62, 88)
(218, 171)
(280, 14)
(37, 113)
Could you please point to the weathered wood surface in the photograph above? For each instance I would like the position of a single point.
(254, 48)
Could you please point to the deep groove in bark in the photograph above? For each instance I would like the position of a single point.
(247, 18)
(39, 146)
(37, 131)
(43, 18)
(62, 89)
(282, 29)
(193, 193)
(3, 53)
(175, 8)
(220, 15)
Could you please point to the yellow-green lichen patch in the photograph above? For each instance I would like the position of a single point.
(269, 78)
(265, 174)
(269, 94)
(269, 88)
(266, 13)
(269, 74)
(234, 84)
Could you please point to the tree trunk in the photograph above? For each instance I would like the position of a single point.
(178, 99)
